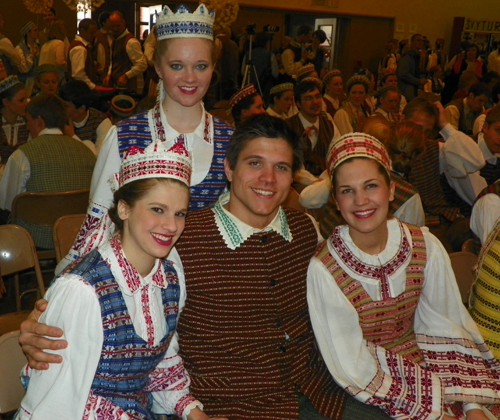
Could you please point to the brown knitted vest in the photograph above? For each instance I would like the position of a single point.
(241, 306)
(89, 61)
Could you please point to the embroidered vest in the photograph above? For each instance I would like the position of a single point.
(126, 359)
(314, 159)
(89, 60)
(403, 191)
(57, 163)
(424, 177)
(89, 130)
(22, 137)
(121, 62)
(387, 322)
(136, 131)
(245, 334)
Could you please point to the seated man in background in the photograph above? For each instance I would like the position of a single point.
(50, 162)
(89, 123)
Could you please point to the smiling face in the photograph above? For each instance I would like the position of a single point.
(335, 87)
(311, 104)
(357, 95)
(186, 67)
(48, 83)
(363, 194)
(260, 180)
(492, 136)
(153, 224)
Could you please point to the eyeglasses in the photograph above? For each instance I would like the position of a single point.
(310, 98)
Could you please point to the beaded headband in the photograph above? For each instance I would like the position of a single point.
(184, 24)
(46, 68)
(308, 68)
(155, 161)
(242, 94)
(8, 82)
(330, 75)
(355, 145)
(356, 80)
(28, 27)
(282, 87)
(315, 80)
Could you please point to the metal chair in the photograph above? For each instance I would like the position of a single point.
(64, 233)
(18, 253)
(39, 211)
(11, 363)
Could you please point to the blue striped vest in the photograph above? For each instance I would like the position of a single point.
(126, 359)
(135, 131)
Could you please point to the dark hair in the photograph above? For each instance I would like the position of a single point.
(264, 125)
(103, 18)
(493, 115)
(320, 34)
(261, 39)
(132, 192)
(304, 30)
(495, 91)
(479, 89)
(52, 10)
(85, 24)
(277, 96)
(245, 103)
(10, 93)
(380, 168)
(419, 105)
(386, 76)
(414, 36)
(490, 76)
(303, 87)
(57, 30)
(76, 92)
(50, 108)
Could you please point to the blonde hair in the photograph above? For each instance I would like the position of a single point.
(162, 46)
(378, 127)
(406, 142)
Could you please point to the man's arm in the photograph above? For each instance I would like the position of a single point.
(139, 62)
(78, 57)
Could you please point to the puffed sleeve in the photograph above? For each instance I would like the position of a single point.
(64, 388)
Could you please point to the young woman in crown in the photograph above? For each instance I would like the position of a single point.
(119, 305)
(184, 60)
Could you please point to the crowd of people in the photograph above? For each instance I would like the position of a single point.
(193, 289)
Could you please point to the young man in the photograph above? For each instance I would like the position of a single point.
(461, 113)
(244, 332)
(90, 124)
(316, 130)
(81, 57)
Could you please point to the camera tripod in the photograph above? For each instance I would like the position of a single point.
(250, 69)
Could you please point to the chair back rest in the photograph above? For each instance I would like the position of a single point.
(17, 249)
(45, 208)
(463, 263)
(12, 361)
(65, 230)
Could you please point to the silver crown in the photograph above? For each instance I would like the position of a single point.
(184, 24)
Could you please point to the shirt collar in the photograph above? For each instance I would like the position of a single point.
(79, 38)
(125, 32)
(49, 131)
(488, 156)
(172, 134)
(235, 232)
(129, 280)
(306, 123)
(82, 122)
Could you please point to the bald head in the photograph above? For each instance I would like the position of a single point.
(117, 23)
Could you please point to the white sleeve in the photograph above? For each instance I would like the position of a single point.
(342, 122)
(289, 64)
(15, 176)
(469, 187)
(138, 59)
(485, 214)
(8, 49)
(478, 124)
(102, 132)
(78, 57)
(304, 177)
(452, 115)
(316, 194)
(26, 62)
(356, 365)
(64, 388)
(412, 211)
